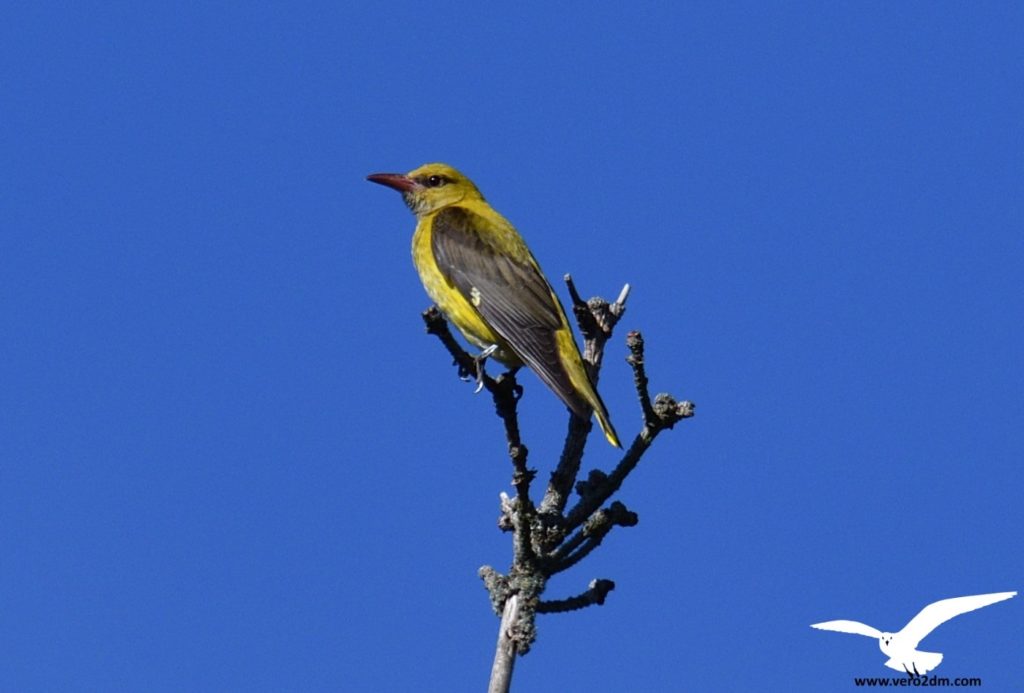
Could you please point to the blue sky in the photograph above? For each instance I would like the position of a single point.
(232, 461)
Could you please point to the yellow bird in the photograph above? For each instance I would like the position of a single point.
(477, 268)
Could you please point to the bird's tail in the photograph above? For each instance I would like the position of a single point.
(588, 402)
(915, 661)
(930, 660)
(579, 393)
(605, 422)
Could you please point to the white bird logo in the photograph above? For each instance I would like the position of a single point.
(901, 647)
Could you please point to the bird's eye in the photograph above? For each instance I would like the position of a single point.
(436, 181)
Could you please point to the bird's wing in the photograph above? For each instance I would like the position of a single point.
(934, 615)
(493, 270)
(855, 627)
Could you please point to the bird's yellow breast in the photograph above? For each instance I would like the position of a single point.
(450, 300)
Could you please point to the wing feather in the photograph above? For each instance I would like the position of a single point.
(855, 627)
(937, 613)
(506, 287)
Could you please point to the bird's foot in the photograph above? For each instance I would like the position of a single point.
(915, 674)
(481, 359)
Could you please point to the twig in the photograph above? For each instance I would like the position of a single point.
(596, 319)
(590, 536)
(596, 594)
(664, 413)
(635, 344)
(505, 392)
(562, 479)
(437, 325)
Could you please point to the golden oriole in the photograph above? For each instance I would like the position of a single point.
(477, 268)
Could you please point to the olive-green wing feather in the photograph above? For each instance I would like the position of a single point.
(510, 294)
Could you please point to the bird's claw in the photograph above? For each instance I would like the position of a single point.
(480, 359)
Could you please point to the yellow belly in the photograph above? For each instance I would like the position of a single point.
(452, 303)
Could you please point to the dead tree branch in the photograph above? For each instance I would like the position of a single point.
(547, 538)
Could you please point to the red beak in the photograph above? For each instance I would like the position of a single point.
(399, 182)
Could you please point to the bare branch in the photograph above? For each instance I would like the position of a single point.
(664, 412)
(562, 479)
(505, 653)
(547, 539)
(590, 536)
(635, 343)
(596, 319)
(596, 594)
(577, 300)
(437, 325)
(505, 392)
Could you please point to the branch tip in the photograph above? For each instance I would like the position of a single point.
(597, 592)
(573, 293)
(623, 295)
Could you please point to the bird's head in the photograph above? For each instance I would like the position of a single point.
(430, 187)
